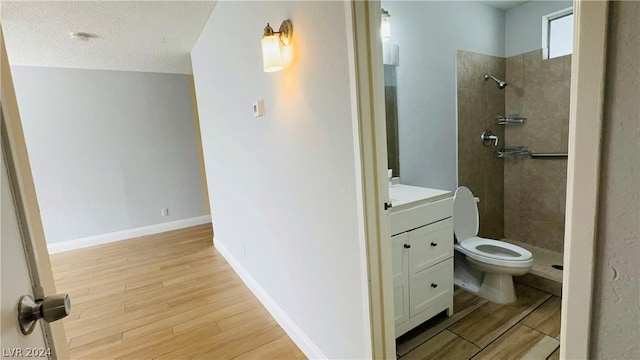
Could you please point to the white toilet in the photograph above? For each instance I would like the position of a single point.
(484, 267)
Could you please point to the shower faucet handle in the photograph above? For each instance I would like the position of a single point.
(487, 135)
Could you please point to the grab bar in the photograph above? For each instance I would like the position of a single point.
(524, 151)
(548, 155)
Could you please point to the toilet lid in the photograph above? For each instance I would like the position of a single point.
(465, 214)
(494, 249)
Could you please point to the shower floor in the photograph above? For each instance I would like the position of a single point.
(543, 259)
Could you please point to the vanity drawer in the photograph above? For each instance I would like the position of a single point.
(430, 245)
(405, 220)
(431, 287)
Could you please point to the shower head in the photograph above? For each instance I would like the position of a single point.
(501, 84)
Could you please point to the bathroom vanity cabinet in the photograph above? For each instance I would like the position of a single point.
(422, 254)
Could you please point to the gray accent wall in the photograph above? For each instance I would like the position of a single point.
(109, 149)
(616, 309)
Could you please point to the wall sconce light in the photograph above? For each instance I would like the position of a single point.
(273, 43)
(385, 26)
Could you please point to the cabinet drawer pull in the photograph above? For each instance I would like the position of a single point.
(407, 246)
(434, 244)
(434, 285)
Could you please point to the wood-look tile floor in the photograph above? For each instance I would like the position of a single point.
(164, 296)
(478, 329)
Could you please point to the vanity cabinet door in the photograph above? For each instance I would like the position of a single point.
(400, 266)
(430, 245)
(432, 289)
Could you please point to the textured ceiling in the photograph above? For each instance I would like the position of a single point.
(505, 4)
(150, 36)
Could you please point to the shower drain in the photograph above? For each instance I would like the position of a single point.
(559, 267)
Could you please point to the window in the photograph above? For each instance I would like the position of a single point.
(557, 33)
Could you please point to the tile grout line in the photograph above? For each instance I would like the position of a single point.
(543, 334)
(543, 301)
(512, 326)
(484, 301)
(532, 328)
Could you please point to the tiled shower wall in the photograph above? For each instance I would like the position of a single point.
(535, 189)
(479, 102)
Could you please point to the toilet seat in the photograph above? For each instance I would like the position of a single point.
(490, 251)
(495, 252)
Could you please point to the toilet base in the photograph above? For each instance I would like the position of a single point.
(495, 287)
(498, 288)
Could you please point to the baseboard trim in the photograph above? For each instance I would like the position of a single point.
(308, 347)
(81, 243)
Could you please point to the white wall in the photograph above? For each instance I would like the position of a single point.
(429, 33)
(109, 149)
(523, 25)
(284, 188)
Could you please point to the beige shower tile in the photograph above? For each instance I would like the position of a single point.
(564, 139)
(542, 203)
(543, 101)
(470, 103)
(479, 102)
(463, 70)
(513, 103)
(545, 234)
(563, 202)
(552, 69)
(532, 65)
(512, 211)
(493, 107)
(512, 197)
(515, 71)
(512, 223)
(513, 136)
(538, 70)
(546, 173)
(533, 173)
(498, 65)
(491, 211)
(471, 68)
(520, 342)
(566, 96)
(543, 135)
(567, 67)
(512, 171)
(491, 320)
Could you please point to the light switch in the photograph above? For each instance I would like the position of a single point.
(258, 108)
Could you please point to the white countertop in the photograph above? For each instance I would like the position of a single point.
(401, 195)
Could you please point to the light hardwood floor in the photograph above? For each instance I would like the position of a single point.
(526, 329)
(165, 296)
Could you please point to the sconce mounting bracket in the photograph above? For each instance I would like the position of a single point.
(286, 31)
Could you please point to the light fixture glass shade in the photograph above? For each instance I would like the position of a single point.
(271, 53)
(385, 26)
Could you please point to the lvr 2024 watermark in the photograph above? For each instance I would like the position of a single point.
(26, 352)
